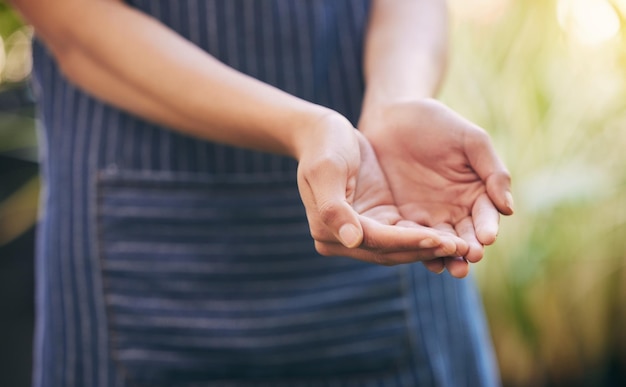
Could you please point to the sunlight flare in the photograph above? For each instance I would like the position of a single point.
(590, 22)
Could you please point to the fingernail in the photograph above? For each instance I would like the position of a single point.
(509, 201)
(349, 235)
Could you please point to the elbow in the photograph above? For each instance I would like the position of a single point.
(57, 26)
(63, 28)
(65, 48)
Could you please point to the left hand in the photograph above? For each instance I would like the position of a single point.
(443, 173)
(341, 183)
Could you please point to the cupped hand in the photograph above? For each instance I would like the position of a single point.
(443, 173)
(349, 204)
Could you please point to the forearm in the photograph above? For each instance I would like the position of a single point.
(132, 61)
(405, 51)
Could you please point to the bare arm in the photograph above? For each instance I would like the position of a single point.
(134, 62)
(442, 170)
(405, 52)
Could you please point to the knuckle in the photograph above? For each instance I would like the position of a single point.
(383, 260)
(376, 245)
(329, 211)
(479, 137)
(324, 162)
(482, 135)
(502, 177)
(323, 249)
(372, 244)
(317, 233)
(505, 175)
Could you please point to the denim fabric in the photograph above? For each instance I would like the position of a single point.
(168, 261)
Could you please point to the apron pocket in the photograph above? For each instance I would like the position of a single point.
(211, 279)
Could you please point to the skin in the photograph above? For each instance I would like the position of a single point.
(377, 208)
(462, 192)
(351, 212)
(442, 169)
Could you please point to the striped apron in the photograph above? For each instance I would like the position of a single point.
(168, 261)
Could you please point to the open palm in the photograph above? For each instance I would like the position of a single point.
(388, 238)
(340, 191)
(443, 173)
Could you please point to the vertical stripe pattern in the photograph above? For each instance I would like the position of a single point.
(168, 261)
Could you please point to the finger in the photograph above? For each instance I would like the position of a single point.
(452, 244)
(377, 257)
(385, 238)
(403, 236)
(499, 190)
(457, 266)
(465, 229)
(435, 265)
(323, 191)
(486, 163)
(486, 219)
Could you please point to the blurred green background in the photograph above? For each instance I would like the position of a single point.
(19, 187)
(547, 78)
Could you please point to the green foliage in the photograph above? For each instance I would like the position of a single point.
(9, 20)
(18, 210)
(553, 284)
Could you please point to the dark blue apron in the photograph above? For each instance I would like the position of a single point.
(168, 261)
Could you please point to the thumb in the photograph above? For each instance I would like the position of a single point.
(486, 163)
(336, 213)
(327, 190)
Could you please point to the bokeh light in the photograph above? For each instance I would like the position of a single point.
(482, 11)
(3, 56)
(589, 22)
(547, 79)
(15, 55)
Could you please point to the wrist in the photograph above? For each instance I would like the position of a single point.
(376, 111)
(316, 127)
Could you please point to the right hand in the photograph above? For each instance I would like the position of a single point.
(443, 172)
(349, 205)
